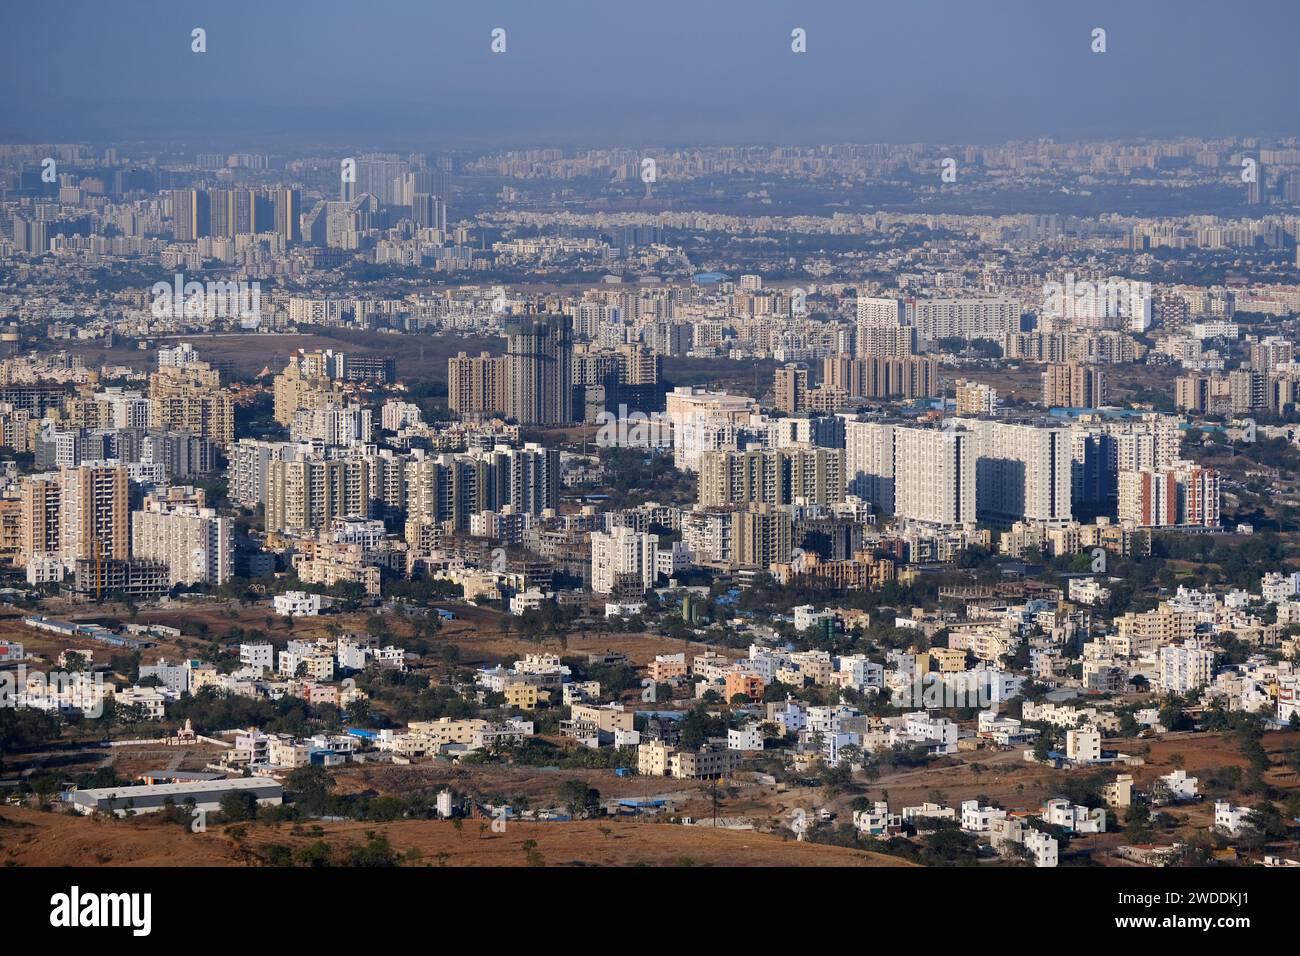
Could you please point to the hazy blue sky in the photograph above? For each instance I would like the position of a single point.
(420, 72)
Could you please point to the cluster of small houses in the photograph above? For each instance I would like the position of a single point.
(1013, 831)
(1170, 646)
(1169, 649)
(262, 757)
(828, 733)
(303, 669)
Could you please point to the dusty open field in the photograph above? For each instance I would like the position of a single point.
(480, 633)
(35, 838)
(1025, 383)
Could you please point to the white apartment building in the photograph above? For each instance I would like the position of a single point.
(1043, 846)
(342, 425)
(789, 716)
(677, 557)
(749, 737)
(366, 532)
(938, 733)
(125, 409)
(931, 811)
(296, 604)
(1185, 667)
(977, 819)
(708, 534)
(1288, 697)
(1276, 588)
(1022, 472)
(150, 701)
(934, 475)
(688, 407)
(353, 654)
(696, 436)
(315, 311)
(1083, 746)
(766, 662)
(394, 416)
(178, 356)
(878, 312)
(861, 673)
(1088, 591)
(877, 820)
(196, 544)
(315, 663)
(529, 600)
(869, 462)
(622, 551)
(260, 656)
(1229, 818)
(1180, 786)
(982, 317)
(1060, 812)
(250, 461)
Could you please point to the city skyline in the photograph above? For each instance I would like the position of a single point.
(720, 436)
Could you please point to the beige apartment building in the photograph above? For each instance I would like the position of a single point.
(693, 765)
(95, 514)
(1071, 385)
(190, 398)
(790, 388)
(306, 495)
(446, 730)
(762, 536)
(605, 719)
(976, 398)
(776, 476)
(476, 384)
(1140, 634)
(295, 391)
(42, 500)
(652, 758)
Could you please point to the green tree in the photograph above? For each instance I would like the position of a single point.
(239, 805)
(1137, 821)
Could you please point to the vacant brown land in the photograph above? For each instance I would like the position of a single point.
(1024, 382)
(35, 838)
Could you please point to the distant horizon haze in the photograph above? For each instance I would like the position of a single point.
(583, 73)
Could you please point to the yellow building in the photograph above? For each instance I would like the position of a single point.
(1140, 634)
(446, 730)
(522, 694)
(652, 758)
(814, 665)
(944, 659)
